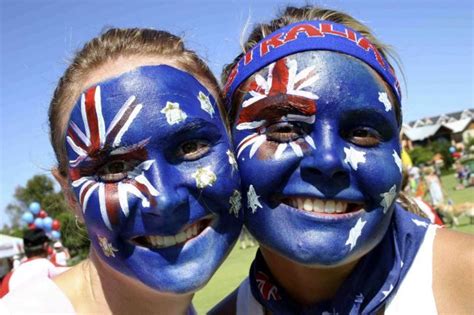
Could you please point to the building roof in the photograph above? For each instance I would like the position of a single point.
(458, 126)
(424, 128)
(444, 118)
(421, 133)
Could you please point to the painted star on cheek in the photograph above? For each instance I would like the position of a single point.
(204, 177)
(235, 203)
(397, 160)
(206, 104)
(107, 248)
(354, 233)
(174, 114)
(420, 223)
(232, 161)
(253, 202)
(354, 157)
(383, 98)
(388, 198)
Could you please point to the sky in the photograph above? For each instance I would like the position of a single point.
(433, 39)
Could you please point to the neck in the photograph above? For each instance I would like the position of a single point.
(107, 291)
(306, 285)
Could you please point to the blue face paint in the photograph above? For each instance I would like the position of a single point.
(317, 144)
(151, 166)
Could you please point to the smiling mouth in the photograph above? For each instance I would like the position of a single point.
(323, 206)
(164, 241)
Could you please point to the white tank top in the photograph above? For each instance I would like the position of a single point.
(414, 296)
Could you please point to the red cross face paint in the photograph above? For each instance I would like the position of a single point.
(316, 138)
(151, 166)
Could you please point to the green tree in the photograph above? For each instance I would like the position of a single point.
(421, 155)
(40, 188)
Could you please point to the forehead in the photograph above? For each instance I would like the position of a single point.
(165, 95)
(339, 79)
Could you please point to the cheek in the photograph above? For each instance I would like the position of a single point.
(379, 173)
(267, 175)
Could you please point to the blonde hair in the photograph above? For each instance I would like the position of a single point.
(291, 15)
(109, 46)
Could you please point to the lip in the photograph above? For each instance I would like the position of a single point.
(187, 233)
(328, 209)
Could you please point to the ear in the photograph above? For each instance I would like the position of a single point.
(67, 191)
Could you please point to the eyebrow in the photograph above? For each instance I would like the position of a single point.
(275, 106)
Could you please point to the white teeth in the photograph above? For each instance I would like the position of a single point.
(172, 240)
(341, 207)
(159, 241)
(318, 205)
(300, 203)
(330, 206)
(189, 233)
(181, 237)
(169, 241)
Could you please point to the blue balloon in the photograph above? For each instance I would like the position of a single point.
(39, 223)
(28, 217)
(34, 207)
(48, 224)
(452, 149)
(55, 235)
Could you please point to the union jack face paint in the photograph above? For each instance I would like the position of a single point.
(149, 164)
(317, 146)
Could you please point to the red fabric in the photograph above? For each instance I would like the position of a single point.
(4, 288)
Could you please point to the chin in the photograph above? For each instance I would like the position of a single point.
(316, 241)
(180, 269)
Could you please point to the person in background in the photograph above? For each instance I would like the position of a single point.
(60, 254)
(36, 265)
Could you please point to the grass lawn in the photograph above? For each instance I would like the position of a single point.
(234, 269)
(236, 266)
(459, 196)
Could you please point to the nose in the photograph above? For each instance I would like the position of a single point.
(171, 194)
(167, 202)
(325, 163)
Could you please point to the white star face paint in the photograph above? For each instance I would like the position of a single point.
(148, 163)
(383, 98)
(355, 233)
(235, 202)
(354, 157)
(174, 115)
(252, 198)
(397, 160)
(317, 164)
(388, 198)
(204, 177)
(206, 103)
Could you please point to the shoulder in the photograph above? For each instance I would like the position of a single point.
(40, 295)
(453, 268)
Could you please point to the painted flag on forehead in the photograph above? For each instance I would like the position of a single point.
(372, 283)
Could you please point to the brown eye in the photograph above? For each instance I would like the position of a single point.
(115, 171)
(192, 150)
(284, 132)
(365, 137)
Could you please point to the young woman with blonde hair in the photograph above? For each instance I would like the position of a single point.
(144, 160)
